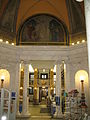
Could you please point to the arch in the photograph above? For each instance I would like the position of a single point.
(33, 22)
(82, 74)
(6, 74)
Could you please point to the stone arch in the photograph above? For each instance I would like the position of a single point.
(82, 74)
(6, 74)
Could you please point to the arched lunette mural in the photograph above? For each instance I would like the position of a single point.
(42, 29)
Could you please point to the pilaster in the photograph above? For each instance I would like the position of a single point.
(87, 17)
(17, 85)
(25, 111)
(58, 113)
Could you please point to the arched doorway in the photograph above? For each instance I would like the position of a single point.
(82, 75)
(4, 78)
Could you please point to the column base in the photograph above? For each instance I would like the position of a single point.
(18, 113)
(58, 115)
(26, 114)
(36, 101)
(23, 115)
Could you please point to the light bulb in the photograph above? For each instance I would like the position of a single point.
(79, 0)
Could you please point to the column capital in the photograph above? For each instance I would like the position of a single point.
(24, 62)
(59, 61)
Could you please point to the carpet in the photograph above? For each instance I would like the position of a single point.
(45, 110)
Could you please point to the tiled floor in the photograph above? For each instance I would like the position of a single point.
(35, 110)
(37, 114)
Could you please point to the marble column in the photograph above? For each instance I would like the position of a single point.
(49, 91)
(58, 89)
(17, 85)
(87, 17)
(25, 111)
(67, 80)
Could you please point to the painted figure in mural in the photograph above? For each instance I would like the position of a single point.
(54, 31)
(31, 31)
(43, 29)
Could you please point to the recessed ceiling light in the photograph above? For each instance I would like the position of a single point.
(1, 40)
(72, 43)
(83, 41)
(12, 43)
(7, 42)
(78, 42)
(43, 70)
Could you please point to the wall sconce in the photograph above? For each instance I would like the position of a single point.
(2, 80)
(51, 88)
(35, 88)
(21, 88)
(4, 118)
(35, 69)
(43, 87)
(52, 70)
(83, 104)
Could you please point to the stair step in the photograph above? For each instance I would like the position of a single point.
(41, 117)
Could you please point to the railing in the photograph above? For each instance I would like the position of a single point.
(43, 43)
(7, 105)
(41, 82)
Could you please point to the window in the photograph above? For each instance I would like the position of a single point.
(30, 90)
(44, 76)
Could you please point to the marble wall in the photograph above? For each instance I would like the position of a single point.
(75, 57)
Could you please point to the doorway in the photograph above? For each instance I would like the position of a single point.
(43, 94)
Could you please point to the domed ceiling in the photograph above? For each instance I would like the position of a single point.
(16, 16)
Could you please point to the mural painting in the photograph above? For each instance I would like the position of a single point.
(42, 28)
(8, 18)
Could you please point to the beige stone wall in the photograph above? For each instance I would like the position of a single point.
(75, 57)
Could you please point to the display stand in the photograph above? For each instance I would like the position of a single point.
(7, 104)
(13, 106)
(73, 110)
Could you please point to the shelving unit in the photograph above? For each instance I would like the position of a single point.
(73, 111)
(7, 104)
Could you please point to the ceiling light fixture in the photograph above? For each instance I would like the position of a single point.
(7, 42)
(79, 0)
(43, 70)
(72, 43)
(12, 43)
(78, 42)
(83, 41)
(1, 40)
